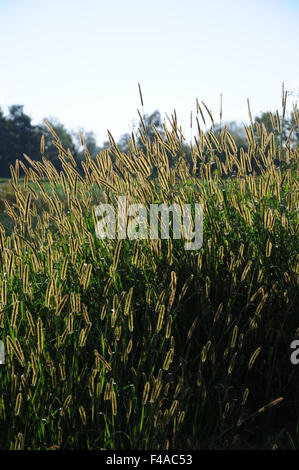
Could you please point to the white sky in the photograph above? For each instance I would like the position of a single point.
(81, 61)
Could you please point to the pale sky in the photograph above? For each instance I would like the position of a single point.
(81, 61)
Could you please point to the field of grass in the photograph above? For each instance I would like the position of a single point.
(142, 344)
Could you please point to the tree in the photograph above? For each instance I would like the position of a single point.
(18, 136)
(237, 132)
(123, 143)
(65, 139)
(4, 145)
(149, 120)
(291, 123)
(285, 131)
(90, 142)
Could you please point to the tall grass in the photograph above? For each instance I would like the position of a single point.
(121, 344)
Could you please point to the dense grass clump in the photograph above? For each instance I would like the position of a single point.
(142, 344)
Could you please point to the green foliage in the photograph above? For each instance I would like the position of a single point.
(17, 135)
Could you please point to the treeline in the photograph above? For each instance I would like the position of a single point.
(18, 135)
